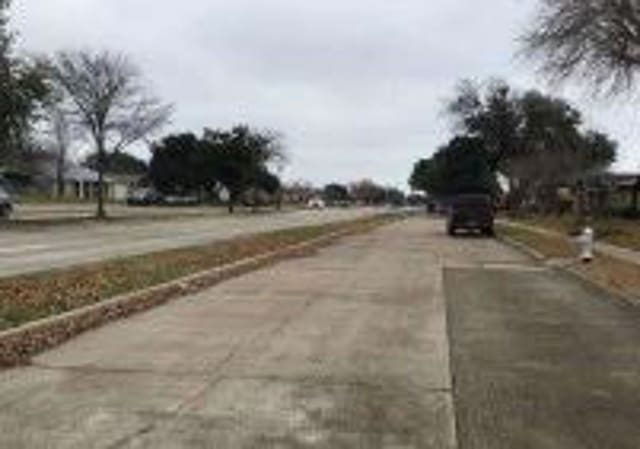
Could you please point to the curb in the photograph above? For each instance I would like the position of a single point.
(19, 345)
(617, 293)
(576, 274)
(534, 254)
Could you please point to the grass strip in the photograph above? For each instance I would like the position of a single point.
(616, 231)
(549, 245)
(609, 272)
(31, 297)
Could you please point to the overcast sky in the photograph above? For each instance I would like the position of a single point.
(357, 86)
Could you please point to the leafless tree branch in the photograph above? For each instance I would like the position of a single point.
(109, 100)
(596, 41)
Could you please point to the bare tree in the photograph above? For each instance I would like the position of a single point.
(595, 40)
(109, 102)
(58, 133)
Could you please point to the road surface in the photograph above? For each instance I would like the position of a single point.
(31, 250)
(33, 212)
(403, 338)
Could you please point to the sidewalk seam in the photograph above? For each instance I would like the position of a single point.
(440, 293)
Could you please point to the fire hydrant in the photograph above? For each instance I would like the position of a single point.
(586, 244)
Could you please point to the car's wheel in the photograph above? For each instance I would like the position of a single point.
(451, 231)
(490, 232)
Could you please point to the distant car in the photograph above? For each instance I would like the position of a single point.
(471, 212)
(6, 203)
(181, 200)
(144, 197)
(316, 203)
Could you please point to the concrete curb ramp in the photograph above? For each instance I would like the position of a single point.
(18, 345)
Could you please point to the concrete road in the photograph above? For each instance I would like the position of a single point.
(346, 349)
(34, 212)
(542, 361)
(23, 251)
(350, 349)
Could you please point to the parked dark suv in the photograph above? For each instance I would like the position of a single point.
(470, 212)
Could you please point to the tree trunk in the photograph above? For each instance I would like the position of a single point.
(101, 213)
(60, 191)
(60, 127)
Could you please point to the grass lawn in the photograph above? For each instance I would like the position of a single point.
(34, 296)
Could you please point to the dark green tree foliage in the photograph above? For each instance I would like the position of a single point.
(177, 164)
(425, 177)
(492, 115)
(23, 89)
(268, 182)
(119, 163)
(236, 159)
(239, 158)
(554, 151)
(336, 193)
(536, 140)
(395, 197)
(368, 192)
(515, 127)
(460, 167)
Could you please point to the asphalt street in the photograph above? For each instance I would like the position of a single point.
(37, 249)
(542, 361)
(402, 338)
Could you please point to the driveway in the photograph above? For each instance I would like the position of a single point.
(350, 348)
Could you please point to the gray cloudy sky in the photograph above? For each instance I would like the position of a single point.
(357, 86)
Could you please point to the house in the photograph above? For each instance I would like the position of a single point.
(81, 183)
(613, 192)
(119, 186)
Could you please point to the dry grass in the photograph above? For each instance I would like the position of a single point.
(614, 273)
(617, 231)
(550, 246)
(607, 271)
(35, 296)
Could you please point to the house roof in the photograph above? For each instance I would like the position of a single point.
(624, 179)
(80, 174)
(72, 172)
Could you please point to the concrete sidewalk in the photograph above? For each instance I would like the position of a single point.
(346, 349)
